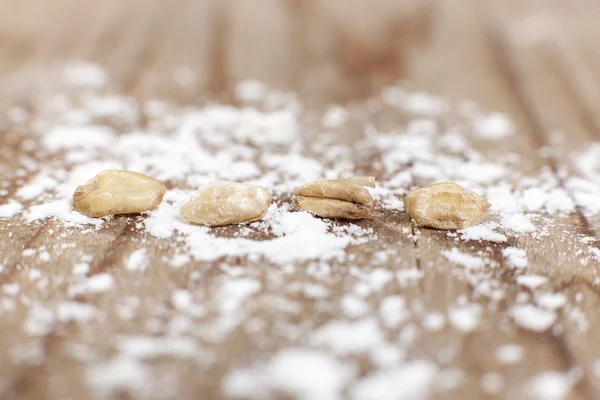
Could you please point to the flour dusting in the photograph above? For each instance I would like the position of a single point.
(289, 305)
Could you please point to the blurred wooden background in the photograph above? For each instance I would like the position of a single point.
(537, 60)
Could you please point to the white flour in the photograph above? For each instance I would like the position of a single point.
(290, 264)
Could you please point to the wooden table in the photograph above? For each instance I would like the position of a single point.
(534, 60)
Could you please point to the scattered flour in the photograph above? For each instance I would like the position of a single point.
(233, 293)
(492, 383)
(531, 281)
(412, 380)
(353, 306)
(393, 311)
(434, 321)
(465, 318)
(349, 337)
(303, 374)
(78, 137)
(137, 260)
(11, 289)
(463, 259)
(509, 354)
(533, 318)
(75, 311)
(83, 73)
(303, 237)
(147, 347)
(250, 90)
(515, 257)
(550, 386)
(94, 284)
(10, 209)
(483, 232)
(268, 144)
(334, 117)
(424, 104)
(588, 162)
(551, 301)
(39, 321)
(37, 186)
(519, 223)
(120, 374)
(62, 210)
(494, 126)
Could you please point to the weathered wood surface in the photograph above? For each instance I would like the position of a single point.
(535, 60)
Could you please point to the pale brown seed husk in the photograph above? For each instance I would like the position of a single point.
(336, 198)
(114, 192)
(226, 203)
(446, 205)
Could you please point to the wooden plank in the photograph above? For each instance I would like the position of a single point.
(140, 46)
(179, 69)
(536, 79)
(258, 46)
(469, 73)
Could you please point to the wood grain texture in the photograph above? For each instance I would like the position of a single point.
(535, 60)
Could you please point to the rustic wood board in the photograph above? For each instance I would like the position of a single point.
(534, 60)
